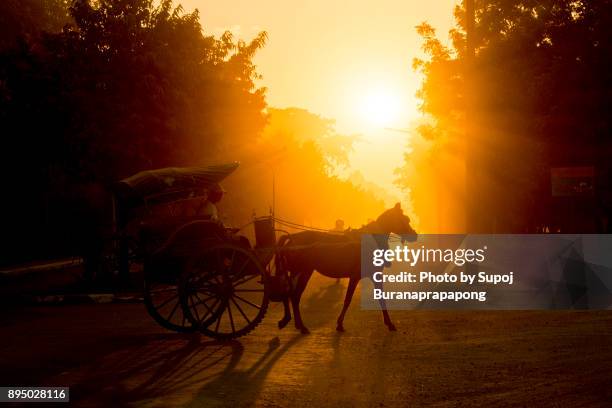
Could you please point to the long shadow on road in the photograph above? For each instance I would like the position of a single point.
(175, 369)
(242, 387)
(161, 365)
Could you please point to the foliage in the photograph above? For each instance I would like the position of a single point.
(536, 95)
(130, 85)
(27, 18)
(299, 151)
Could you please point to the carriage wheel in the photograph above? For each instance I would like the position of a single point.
(222, 291)
(162, 301)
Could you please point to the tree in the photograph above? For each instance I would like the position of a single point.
(130, 85)
(28, 18)
(302, 152)
(538, 97)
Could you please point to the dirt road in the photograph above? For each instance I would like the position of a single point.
(115, 355)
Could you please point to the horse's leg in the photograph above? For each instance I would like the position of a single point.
(303, 278)
(347, 301)
(287, 317)
(383, 306)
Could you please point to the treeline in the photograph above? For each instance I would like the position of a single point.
(535, 96)
(299, 152)
(94, 91)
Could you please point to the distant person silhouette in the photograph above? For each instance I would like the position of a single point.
(339, 226)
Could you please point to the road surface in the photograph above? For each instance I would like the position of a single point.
(115, 355)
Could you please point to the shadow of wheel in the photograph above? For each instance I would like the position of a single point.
(222, 291)
(162, 300)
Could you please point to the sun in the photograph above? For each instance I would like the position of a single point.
(380, 107)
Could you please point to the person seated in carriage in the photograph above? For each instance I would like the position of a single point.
(199, 203)
(207, 201)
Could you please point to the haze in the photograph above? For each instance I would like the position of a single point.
(350, 61)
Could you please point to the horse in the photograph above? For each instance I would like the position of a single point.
(336, 256)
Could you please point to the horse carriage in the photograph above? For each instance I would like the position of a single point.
(198, 274)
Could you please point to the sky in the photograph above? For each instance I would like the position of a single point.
(345, 60)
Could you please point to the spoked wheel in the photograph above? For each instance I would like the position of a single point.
(222, 291)
(162, 300)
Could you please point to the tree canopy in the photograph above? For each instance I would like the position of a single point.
(94, 91)
(300, 152)
(28, 18)
(127, 85)
(536, 96)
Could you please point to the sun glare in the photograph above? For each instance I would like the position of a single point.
(380, 107)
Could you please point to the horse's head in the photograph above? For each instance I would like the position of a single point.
(395, 221)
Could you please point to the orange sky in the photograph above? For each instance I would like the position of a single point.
(339, 59)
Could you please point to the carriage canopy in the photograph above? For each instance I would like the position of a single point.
(164, 182)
